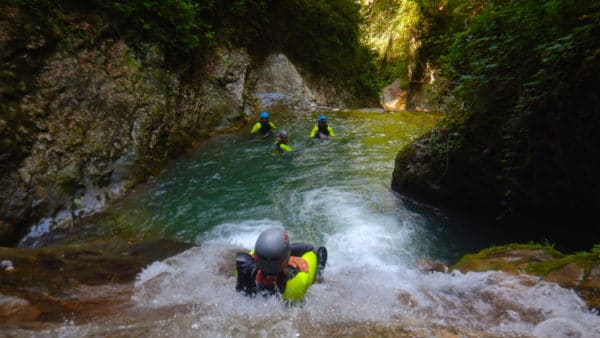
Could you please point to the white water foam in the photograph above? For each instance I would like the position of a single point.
(370, 279)
(366, 290)
(242, 234)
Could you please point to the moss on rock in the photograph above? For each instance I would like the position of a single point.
(579, 271)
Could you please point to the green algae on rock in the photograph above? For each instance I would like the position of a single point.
(579, 271)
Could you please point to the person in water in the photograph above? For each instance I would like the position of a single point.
(282, 144)
(264, 126)
(322, 130)
(273, 262)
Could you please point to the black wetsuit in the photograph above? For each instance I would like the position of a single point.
(323, 129)
(265, 127)
(251, 281)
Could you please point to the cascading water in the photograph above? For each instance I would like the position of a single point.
(333, 193)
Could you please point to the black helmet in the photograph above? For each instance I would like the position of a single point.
(272, 250)
(283, 134)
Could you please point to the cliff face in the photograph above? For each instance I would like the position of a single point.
(84, 116)
(516, 142)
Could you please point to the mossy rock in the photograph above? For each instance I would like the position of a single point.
(579, 271)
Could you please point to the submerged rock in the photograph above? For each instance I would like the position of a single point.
(15, 309)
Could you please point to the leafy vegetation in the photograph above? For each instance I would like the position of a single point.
(323, 36)
(390, 27)
(410, 35)
(522, 105)
(518, 77)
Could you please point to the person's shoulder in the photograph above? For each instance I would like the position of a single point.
(298, 249)
(243, 258)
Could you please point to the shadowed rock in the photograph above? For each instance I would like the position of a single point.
(45, 284)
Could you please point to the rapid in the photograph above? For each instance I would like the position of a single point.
(334, 193)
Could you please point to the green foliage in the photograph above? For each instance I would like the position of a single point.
(409, 35)
(525, 71)
(177, 25)
(323, 36)
(442, 20)
(391, 29)
(242, 22)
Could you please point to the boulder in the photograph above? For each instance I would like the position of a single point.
(393, 98)
(280, 84)
(580, 272)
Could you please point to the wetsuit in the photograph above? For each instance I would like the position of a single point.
(263, 127)
(280, 147)
(251, 280)
(321, 129)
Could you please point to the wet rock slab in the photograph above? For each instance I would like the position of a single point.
(56, 283)
(578, 271)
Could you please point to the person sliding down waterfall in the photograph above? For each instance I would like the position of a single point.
(322, 130)
(277, 267)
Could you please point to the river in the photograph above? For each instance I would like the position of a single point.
(334, 193)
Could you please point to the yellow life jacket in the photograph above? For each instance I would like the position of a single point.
(297, 286)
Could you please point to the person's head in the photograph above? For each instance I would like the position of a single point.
(322, 119)
(283, 136)
(272, 251)
(264, 116)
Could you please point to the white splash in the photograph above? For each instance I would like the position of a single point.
(370, 279)
(391, 295)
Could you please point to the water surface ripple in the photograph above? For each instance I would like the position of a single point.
(334, 193)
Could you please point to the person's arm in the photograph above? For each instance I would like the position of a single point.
(331, 133)
(245, 272)
(297, 250)
(272, 125)
(255, 128)
(313, 132)
(298, 263)
(285, 147)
